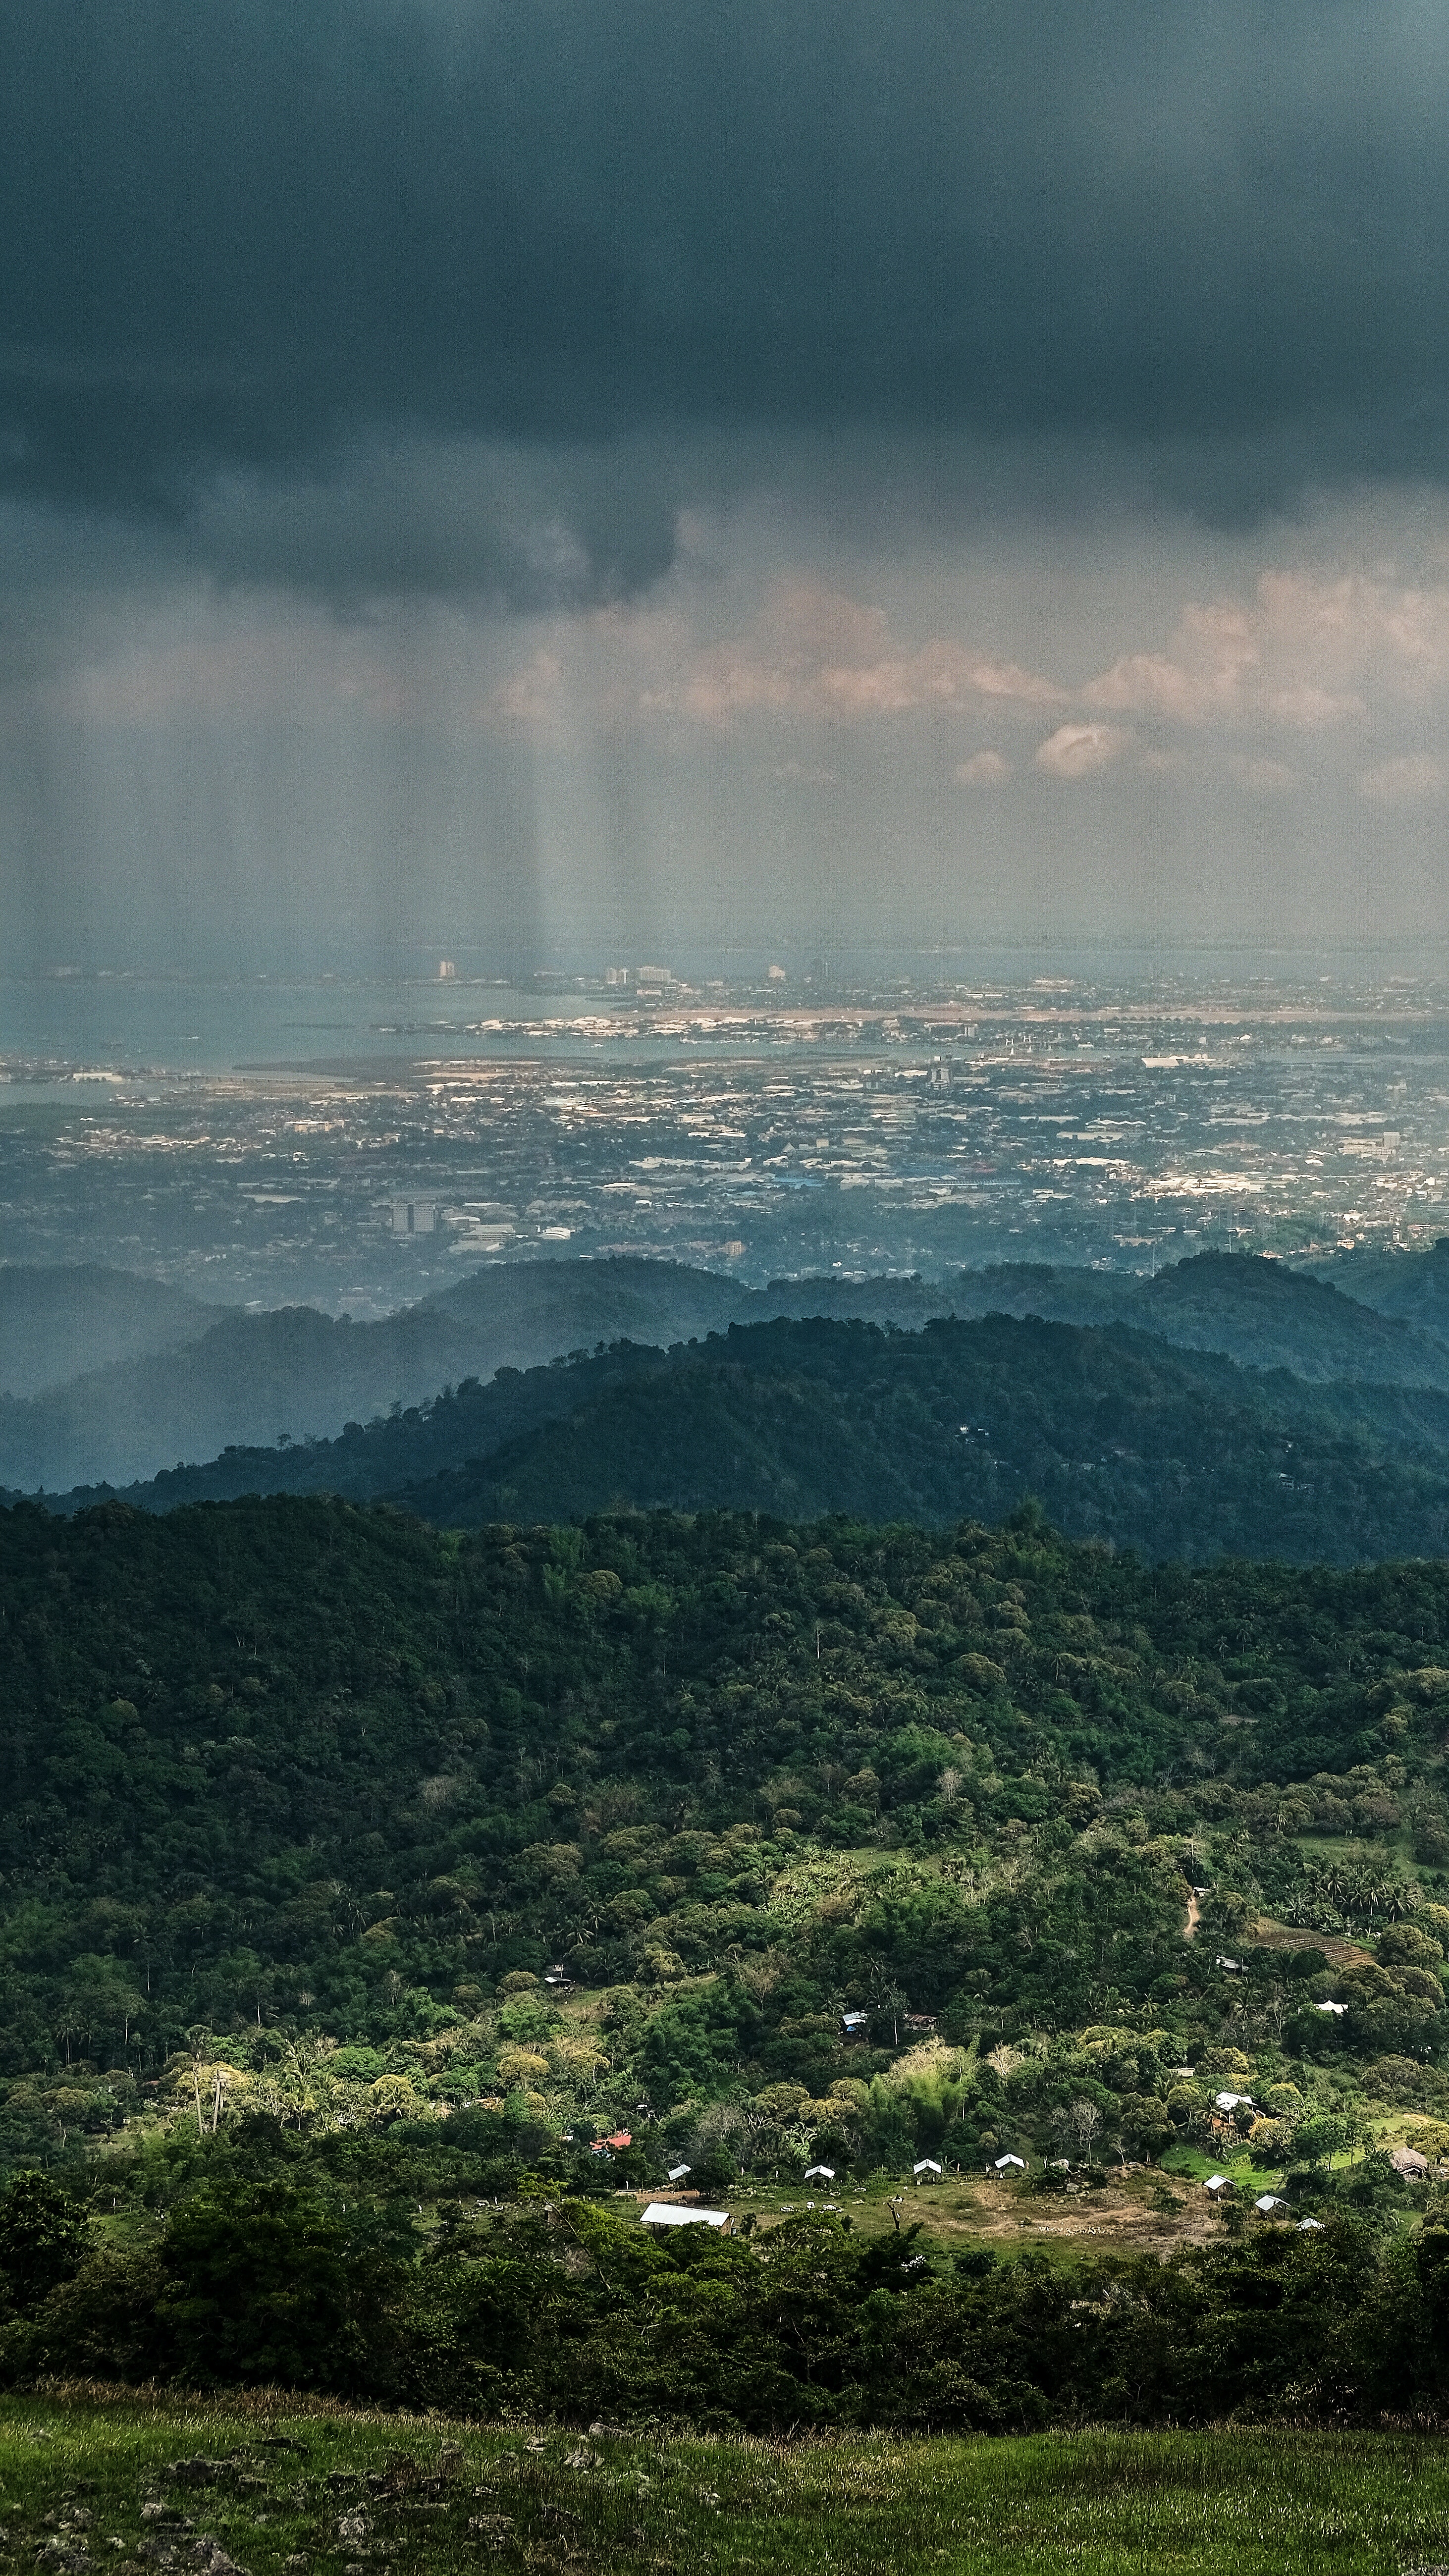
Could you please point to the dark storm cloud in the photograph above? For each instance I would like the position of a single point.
(254, 245)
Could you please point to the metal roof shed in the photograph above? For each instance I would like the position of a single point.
(667, 2213)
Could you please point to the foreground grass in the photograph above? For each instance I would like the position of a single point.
(282, 2489)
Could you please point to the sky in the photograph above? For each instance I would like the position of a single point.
(622, 480)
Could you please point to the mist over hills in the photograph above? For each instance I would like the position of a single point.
(1412, 1288)
(1259, 1312)
(294, 1373)
(56, 1322)
(194, 1381)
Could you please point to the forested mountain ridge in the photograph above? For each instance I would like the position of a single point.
(1119, 1435)
(295, 1373)
(282, 1770)
(1259, 1312)
(1410, 1287)
(205, 1382)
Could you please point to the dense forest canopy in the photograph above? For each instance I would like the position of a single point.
(289, 1776)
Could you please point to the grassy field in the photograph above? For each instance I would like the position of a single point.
(281, 2489)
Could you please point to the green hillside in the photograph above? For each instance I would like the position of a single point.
(1117, 1435)
(303, 1806)
(265, 1759)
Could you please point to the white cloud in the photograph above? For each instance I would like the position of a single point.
(983, 769)
(1009, 680)
(1080, 750)
(1306, 708)
(1410, 780)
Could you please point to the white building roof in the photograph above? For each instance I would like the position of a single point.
(820, 2173)
(1331, 2008)
(1218, 2182)
(678, 2172)
(1018, 2161)
(1271, 2200)
(1230, 2101)
(667, 2213)
(927, 2164)
(1315, 2225)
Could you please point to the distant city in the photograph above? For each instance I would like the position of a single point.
(788, 1124)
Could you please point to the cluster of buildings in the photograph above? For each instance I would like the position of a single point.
(767, 1132)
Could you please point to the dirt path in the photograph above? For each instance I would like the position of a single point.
(1194, 1915)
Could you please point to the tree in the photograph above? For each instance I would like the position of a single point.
(266, 2284)
(1086, 2121)
(43, 2237)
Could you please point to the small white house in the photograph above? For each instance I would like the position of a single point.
(820, 2173)
(1270, 2201)
(667, 2213)
(1330, 2008)
(1005, 2163)
(1232, 2101)
(926, 2170)
(678, 2172)
(1217, 2184)
(1310, 2227)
